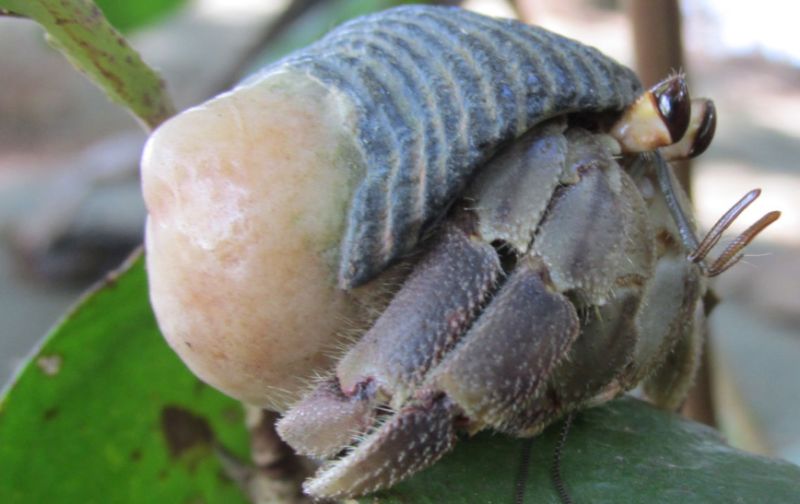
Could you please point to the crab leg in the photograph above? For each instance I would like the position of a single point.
(511, 350)
(412, 439)
(502, 360)
(425, 318)
(669, 385)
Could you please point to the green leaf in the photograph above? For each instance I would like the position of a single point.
(129, 15)
(105, 412)
(79, 30)
(626, 451)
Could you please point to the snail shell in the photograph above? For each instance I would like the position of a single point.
(435, 91)
(269, 204)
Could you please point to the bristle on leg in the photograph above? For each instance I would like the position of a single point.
(412, 439)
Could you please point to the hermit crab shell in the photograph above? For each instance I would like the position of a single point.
(270, 204)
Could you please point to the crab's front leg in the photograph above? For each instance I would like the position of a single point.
(423, 321)
(503, 360)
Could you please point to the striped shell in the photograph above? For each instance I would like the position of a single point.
(437, 90)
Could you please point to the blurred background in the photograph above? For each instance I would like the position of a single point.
(70, 205)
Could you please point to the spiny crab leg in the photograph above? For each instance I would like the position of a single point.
(424, 320)
(478, 386)
(413, 438)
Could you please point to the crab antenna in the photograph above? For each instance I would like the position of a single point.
(730, 255)
(713, 236)
(558, 481)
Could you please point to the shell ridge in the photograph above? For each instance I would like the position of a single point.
(475, 54)
(521, 59)
(448, 115)
(434, 102)
(485, 68)
(369, 203)
(457, 142)
(404, 173)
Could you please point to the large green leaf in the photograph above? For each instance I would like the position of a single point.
(128, 15)
(105, 412)
(624, 452)
(79, 30)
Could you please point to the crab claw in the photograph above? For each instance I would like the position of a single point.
(326, 420)
(410, 440)
(478, 385)
(423, 321)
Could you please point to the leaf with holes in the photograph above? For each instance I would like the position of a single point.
(105, 412)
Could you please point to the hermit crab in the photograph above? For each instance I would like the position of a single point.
(431, 222)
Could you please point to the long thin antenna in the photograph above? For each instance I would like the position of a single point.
(558, 481)
(522, 474)
(722, 224)
(700, 250)
(730, 255)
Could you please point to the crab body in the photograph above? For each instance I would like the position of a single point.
(518, 312)
(453, 191)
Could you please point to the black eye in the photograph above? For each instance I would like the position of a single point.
(706, 130)
(674, 105)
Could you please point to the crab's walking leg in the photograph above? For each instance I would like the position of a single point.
(506, 356)
(413, 438)
(424, 319)
(511, 350)
(670, 384)
(326, 420)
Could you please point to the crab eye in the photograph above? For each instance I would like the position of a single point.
(674, 106)
(706, 129)
(658, 118)
(698, 135)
